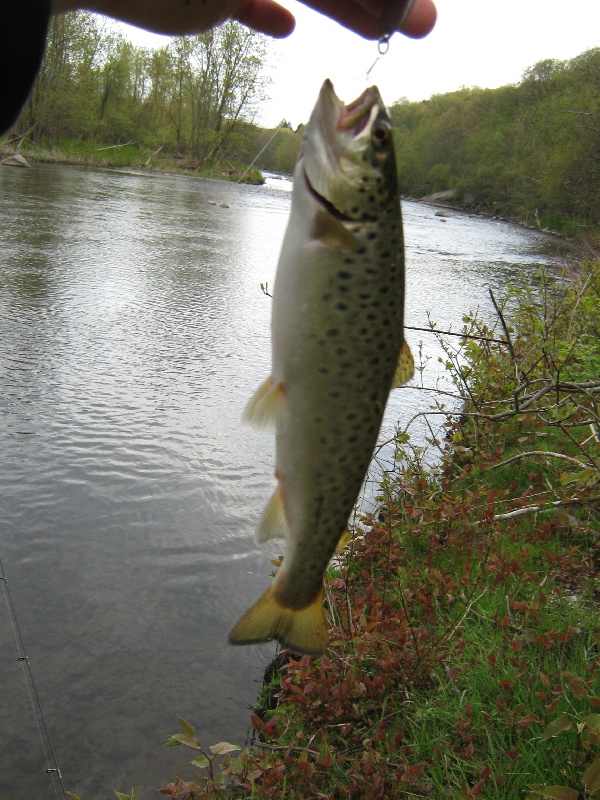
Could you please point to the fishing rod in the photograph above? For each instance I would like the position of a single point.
(52, 768)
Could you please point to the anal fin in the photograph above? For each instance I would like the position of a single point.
(273, 524)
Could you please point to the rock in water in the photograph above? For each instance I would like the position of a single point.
(15, 161)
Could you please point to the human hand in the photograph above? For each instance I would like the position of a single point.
(194, 16)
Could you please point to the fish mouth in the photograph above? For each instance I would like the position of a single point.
(353, 117)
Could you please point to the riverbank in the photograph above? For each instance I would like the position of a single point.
(132, 157)
(464, 634)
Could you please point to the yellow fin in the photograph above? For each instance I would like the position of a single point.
(263, 407)
(344, 541)
(333, 233)
(301, 630)
(273, 524)
(405, 367)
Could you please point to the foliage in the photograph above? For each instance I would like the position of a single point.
(530, 150)
(195, 96)
(464, 648)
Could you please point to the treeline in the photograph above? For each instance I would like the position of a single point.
(531, 150)
(195, 97)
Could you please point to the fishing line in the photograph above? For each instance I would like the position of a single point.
(383, 45)
(52, 768)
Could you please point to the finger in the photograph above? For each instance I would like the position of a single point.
(420, 19)
(365, 16)
(267, 17)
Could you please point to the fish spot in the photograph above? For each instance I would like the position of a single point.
(335, 394)
(361, 251)
(342, 307)
(348, 260)
(332, 332)
(371, 236)
(326, 297)
(363, 331)
(324, 370)
(370, 271)
(371, 317)
(343, 275)
(384, 290)
(386, 254)
(340, 351)
(342, 288)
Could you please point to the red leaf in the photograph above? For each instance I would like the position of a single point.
(525, 722)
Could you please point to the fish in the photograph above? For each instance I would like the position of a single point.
(337, 350)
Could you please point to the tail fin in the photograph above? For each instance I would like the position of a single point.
(301, 630)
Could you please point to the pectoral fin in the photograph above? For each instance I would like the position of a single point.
(263, 407)
(302, 630)
(333, 232)
(273, 524)
(405, 367)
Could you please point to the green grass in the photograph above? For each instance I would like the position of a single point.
(464, 633)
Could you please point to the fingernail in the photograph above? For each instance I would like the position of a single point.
(393, 15)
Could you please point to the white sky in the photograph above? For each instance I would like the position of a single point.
(475, 43)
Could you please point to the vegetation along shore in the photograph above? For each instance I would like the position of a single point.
(464, 629)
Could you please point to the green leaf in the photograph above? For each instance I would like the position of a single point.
(187, 728)
(223, 747)
(591, 777)
(558, 725)
(593, 721)
(556, 792)
(181, 738)
(201, 761)
(121, 796)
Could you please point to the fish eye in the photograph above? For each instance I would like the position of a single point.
(381, 133)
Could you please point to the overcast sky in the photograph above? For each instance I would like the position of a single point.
(475, 43)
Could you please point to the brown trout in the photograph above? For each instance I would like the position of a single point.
(337, 350)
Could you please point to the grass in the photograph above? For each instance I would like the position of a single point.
(464, 633)
(133, 156)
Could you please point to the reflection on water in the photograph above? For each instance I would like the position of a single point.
(132, 332)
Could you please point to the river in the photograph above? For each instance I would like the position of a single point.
(133, 329)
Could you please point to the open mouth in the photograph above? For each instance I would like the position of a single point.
(355, 116)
